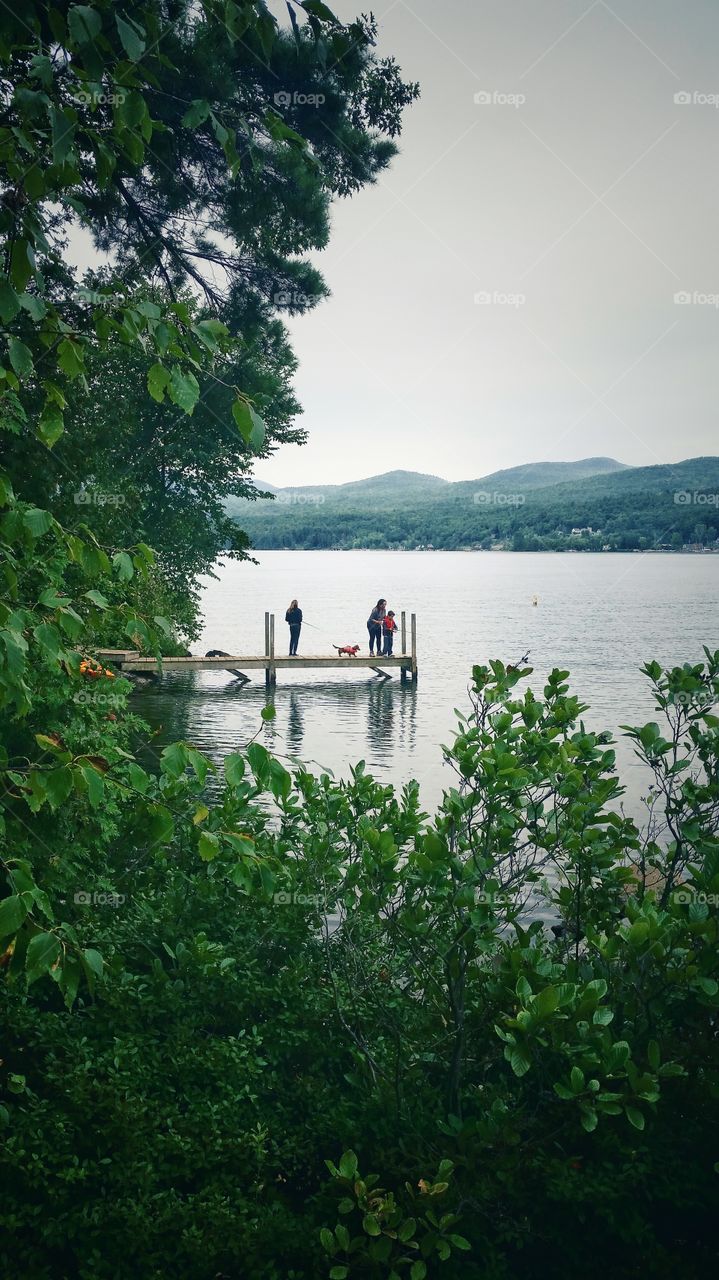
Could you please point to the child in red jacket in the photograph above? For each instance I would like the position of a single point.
(389, 626)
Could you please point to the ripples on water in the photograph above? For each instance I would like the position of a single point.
(599, 616)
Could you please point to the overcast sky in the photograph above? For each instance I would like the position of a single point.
(583, 190)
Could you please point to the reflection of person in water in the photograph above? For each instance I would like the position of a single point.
(294, 618)
(295, 724)
(380, 720)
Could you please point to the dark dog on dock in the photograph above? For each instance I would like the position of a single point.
(217, 653)
(347, 650)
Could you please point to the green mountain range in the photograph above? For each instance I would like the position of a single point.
(593, 504)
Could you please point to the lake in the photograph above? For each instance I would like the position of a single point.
(599, 616)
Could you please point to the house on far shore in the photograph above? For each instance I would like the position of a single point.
(578, 533)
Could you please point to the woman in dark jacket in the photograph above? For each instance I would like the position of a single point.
(374, 626)
(294, 617)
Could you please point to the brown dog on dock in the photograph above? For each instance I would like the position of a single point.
(347, 650)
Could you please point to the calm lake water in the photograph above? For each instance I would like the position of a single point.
(599, 616)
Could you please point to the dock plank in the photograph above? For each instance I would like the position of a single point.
(256, 662)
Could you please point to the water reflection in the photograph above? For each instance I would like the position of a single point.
(316, 723)
(391, 718)
(295, 723)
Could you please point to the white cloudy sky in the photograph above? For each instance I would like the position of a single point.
(595, 200)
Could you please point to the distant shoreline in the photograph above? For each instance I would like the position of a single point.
(528, 551)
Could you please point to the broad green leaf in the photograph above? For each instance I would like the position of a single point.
(34, 306)
(63, 134)
(12, 914)
(49, 637)
(37, 521)
(158, 378)
(20, 357)
(51, 424)
(519, 1061)
(98, 599)
(94, 961)
(123, 566)
(42, 953)
(133, 45)
(184, 389)
(9, 301)
(58, 785)
(243, 417)
(94, 785)
(237, 19)
(234, 769)
(546, 1002)
(84, 23)
(459, 1242)
(258, 432)
(635, 1117)
(196, 114)
(209, 846)
(319, 10)
(407, 1230)
(69, 358)
(174, 759)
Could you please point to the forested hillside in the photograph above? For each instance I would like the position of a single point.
(593, 505)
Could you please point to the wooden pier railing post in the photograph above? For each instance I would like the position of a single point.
(267, 647)
(413, 633)
(403, 630)
(272, 669)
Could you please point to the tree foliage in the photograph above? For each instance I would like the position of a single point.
(173, 1089)
(197, 1070)
(199, 146)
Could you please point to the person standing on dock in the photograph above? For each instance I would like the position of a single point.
(294, 618)
(374, 626)
(389, 626)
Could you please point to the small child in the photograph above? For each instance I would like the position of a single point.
(389, 626)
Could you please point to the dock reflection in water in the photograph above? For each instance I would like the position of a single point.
(318, 724)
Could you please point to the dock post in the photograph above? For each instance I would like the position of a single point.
(273, 669)
(403, 639)
(413, 633)
(267, 648)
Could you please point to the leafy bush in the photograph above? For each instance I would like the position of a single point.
(177, 1113)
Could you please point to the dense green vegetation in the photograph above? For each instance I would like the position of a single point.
(167, 134)
(593, 505)
(198, 1077)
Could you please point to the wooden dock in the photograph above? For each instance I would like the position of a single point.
(130, 660)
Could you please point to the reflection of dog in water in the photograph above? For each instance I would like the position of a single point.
(347, 650)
